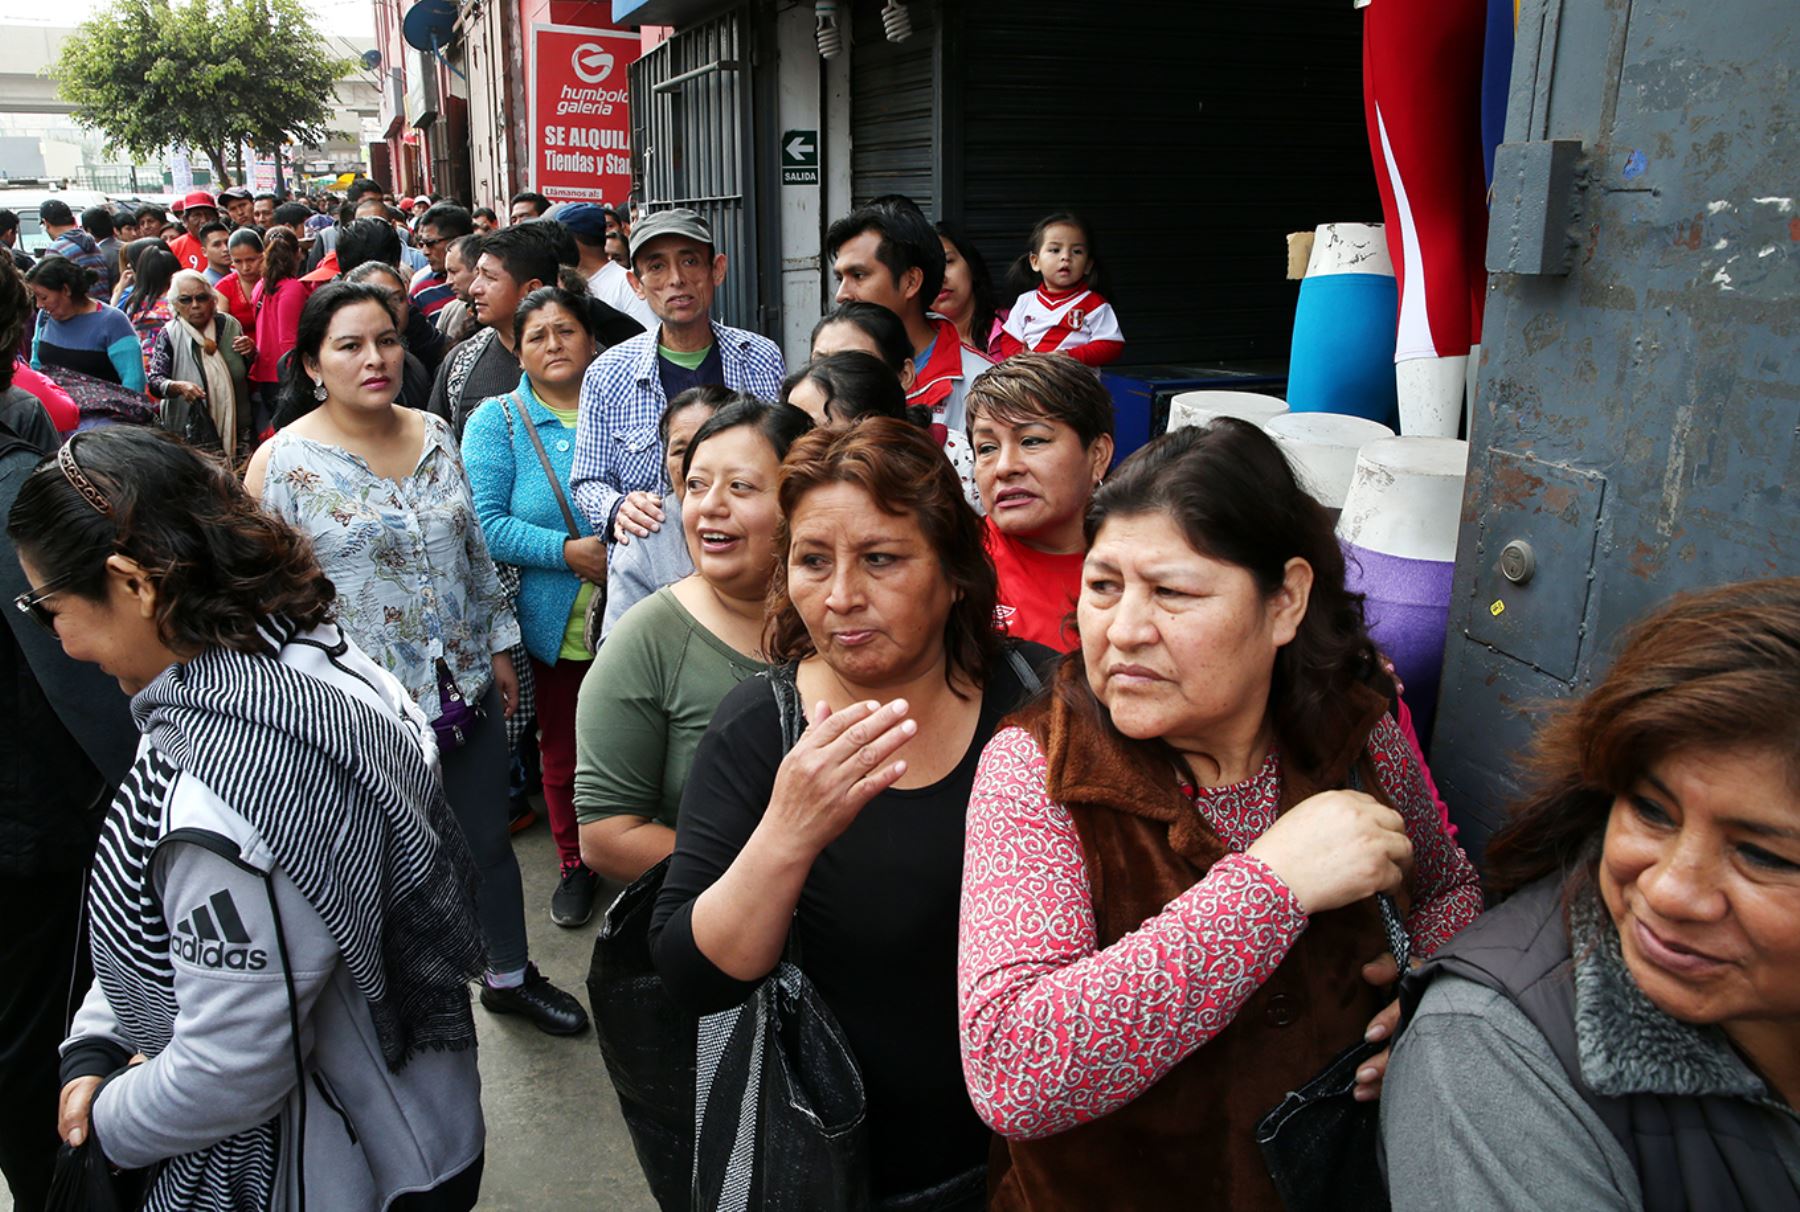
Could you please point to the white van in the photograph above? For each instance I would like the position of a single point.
(25, 202)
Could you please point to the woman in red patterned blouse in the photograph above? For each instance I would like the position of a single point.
(1167, 919)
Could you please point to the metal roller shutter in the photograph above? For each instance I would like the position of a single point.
(894, 124)
(1193, 136)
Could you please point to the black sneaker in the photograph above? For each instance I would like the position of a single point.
(572, 904)
(520, 815)
(550, 1009)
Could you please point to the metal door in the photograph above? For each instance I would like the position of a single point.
(1637, 428)
(692, 141)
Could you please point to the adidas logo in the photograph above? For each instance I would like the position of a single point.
(213, 936)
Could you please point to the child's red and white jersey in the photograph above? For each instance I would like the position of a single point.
(1046, 322)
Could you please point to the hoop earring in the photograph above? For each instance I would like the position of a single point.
(319, 391)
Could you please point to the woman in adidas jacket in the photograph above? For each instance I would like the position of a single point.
(282, 927)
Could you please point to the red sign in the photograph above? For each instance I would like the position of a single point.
(580, 115)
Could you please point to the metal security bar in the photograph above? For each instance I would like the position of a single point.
(691, 141)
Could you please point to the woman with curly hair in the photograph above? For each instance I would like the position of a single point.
(281, 905)
(881, 633)
(1169, 914)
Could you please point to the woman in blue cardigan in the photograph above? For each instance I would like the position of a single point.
(530, 522)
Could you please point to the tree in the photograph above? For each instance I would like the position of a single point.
(207, 74)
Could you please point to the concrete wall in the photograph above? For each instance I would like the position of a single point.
(812, 94)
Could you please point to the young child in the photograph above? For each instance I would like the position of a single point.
(1064, 314)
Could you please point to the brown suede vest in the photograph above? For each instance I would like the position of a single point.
(1188, 1142)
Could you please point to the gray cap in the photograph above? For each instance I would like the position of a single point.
(678, 221)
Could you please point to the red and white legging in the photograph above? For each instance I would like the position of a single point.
(1422, 101)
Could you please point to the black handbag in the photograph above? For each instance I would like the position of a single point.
(84, 1181)
(646, 1041)
(1322, 1147)
(758, 1107)
(781, 1113)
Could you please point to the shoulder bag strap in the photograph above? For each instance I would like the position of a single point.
(1028, 677)
(787, 702)
(1392, 924)
(537, 444)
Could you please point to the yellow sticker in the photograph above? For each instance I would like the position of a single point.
(1498, 608)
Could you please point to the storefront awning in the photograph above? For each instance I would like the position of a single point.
(666, 12)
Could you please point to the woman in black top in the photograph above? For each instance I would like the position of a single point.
(885, 600)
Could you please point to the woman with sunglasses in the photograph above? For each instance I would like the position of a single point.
(258, 981)
(197, 367)
(65, 747)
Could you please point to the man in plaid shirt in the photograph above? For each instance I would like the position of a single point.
(618, 476)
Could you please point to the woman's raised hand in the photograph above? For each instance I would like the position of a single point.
(1336, 848)
(839, 764)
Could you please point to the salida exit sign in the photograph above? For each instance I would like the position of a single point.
(800, 157)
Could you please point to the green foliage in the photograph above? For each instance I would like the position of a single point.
(204, 73)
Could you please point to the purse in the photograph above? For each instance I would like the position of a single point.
(84, 1181)
(1321, 1146)
(457, 716)
(760, 1106)
(589, 634)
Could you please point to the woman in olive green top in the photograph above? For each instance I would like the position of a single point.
(651, 691)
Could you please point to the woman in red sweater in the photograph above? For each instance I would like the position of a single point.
(278, 299)
(1041, 428)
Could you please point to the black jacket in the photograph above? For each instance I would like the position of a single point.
(66, 736)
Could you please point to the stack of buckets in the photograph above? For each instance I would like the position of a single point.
(1398, 499)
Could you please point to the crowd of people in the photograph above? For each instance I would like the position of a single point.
(1078, 793)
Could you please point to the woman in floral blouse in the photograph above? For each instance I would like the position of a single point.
(1168, 913)
(381, 491)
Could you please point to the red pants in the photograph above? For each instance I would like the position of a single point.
(557, 688)
(1422, 101)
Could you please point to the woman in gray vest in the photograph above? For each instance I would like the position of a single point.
(1624, 1032)
(197, 369)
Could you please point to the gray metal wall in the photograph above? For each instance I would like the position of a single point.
(1637, 417)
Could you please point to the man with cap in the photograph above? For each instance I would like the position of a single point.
(239, 203)
(607, 281)
(197, 210)
(675, 269)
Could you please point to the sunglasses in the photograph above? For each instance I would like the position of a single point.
(191, 300)
(32, 602)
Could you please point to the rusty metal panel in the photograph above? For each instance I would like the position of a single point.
(1534, 561)
(1666, 362)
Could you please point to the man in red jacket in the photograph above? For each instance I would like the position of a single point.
(197, 210)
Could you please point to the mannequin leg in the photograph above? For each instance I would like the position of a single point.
(1422, 100)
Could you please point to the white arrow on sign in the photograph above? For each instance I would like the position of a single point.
(799, 148)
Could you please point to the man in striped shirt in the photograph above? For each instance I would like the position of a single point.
(437, 228)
